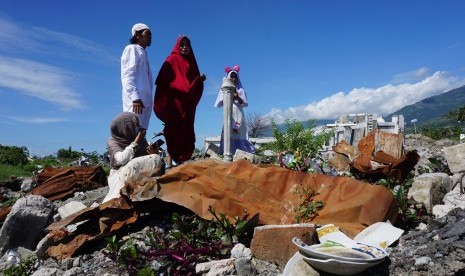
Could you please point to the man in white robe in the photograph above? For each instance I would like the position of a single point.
(136, 76)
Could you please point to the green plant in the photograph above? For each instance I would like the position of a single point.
(7, 171)
(24, 268)
(409, 214)
(298, 139)
(191, 240)
(308, 208)
(8, 202)
(113, 245)
(438, 166)
(241, 230)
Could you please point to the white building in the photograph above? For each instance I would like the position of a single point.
(353, 127)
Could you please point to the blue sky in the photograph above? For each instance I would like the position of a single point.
(60, 72)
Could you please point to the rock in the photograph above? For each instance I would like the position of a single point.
(244, 267)
(455, 156)
(71, 208)
(42, 246)
(273, 243)
(27, 185)
(429, 189)
(442, 241)
(453, 199)
(45, 272)
(220, 267)
(25, 223)
(240, 251)
(422, 261)
(458, 179)
(240, 154)
(213, 155)
(75, 271)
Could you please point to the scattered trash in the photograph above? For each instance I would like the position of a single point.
(338, 254)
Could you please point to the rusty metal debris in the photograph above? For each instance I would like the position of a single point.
(232, 188)
(59, 183)
(366, 144)
(379, 156)
(374, 148)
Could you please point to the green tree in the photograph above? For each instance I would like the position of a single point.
(457, 114)
(437, 133)
(12, 155)
(67, 153)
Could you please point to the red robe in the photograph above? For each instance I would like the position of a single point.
(179, 89)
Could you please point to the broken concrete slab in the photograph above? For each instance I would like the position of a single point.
(453, 199)
(16, 230)
(455, 156)
(429, 189)
(71, 208)
(240, 154)
(217, 267)
(273, 243)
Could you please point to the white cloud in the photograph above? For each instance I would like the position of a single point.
(33, 78)
(383, 100)
(37, 120)
(412, 76)
(47, 42)
(42, 81)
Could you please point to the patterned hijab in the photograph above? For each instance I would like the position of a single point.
(239, 88)
(123, 131)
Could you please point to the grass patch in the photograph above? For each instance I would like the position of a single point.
(7, 171)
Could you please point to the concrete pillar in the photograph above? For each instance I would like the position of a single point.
(227, 88)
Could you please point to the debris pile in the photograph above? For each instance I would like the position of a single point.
(75, 231)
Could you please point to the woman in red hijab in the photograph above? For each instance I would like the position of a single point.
(179, 89)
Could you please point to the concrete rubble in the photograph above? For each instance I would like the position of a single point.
(231, 188)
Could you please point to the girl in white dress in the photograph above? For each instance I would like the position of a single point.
(239, 134)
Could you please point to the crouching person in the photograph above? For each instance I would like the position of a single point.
(131, 157)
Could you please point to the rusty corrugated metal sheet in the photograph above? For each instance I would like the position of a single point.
(231, 189)
(59, 183)
(97, 222)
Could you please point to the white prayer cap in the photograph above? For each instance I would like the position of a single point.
(139, 27)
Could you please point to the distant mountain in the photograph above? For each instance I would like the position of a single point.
(431, 110)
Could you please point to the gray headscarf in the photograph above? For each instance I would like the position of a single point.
(123, 132)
